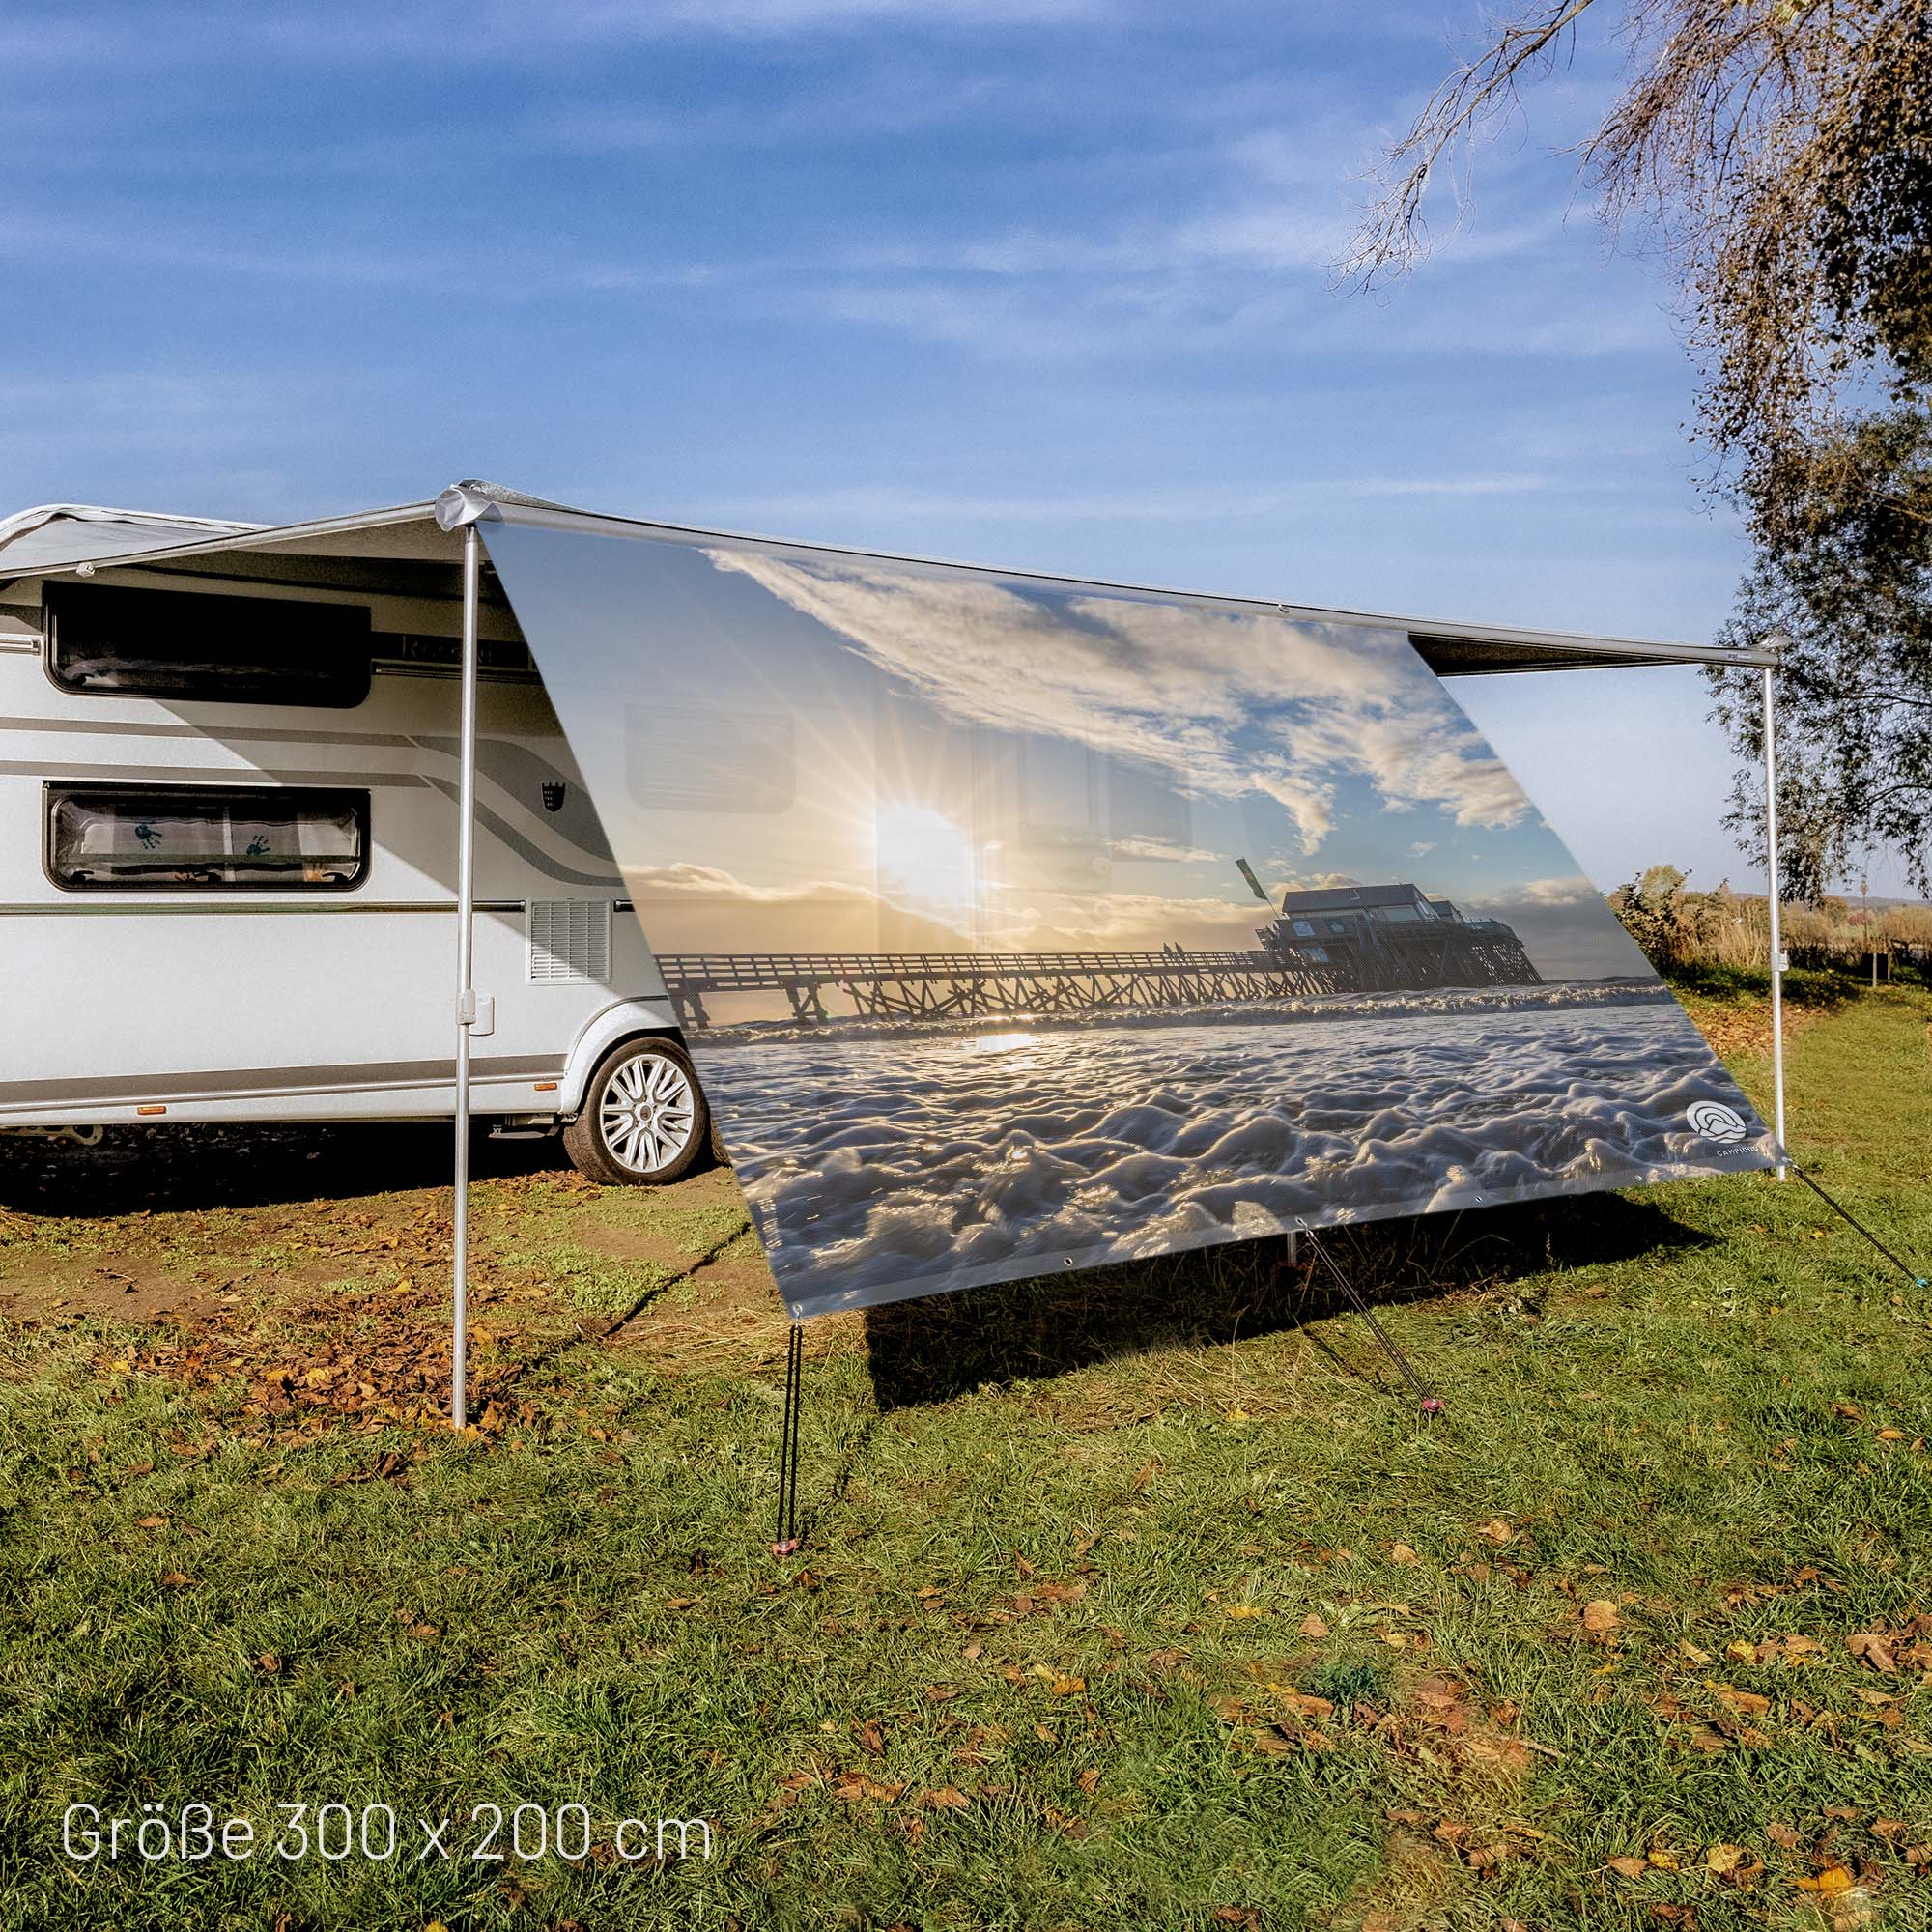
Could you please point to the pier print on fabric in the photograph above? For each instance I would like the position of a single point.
(1017, 926)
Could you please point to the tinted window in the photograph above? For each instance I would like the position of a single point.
(203, 839)
(166, 643)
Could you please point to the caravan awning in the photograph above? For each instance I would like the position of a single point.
(351, 551)
(980, 894)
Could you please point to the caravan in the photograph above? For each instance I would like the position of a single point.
(238, 817)
(229, 804)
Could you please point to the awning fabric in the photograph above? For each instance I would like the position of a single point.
(1020, 925)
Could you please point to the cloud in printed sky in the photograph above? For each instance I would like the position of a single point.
(1572, 889)
(1228, 702)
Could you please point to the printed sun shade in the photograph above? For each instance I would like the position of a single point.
(1017, 927)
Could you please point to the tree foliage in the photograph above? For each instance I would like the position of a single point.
(1847, 578)
(1780, 151)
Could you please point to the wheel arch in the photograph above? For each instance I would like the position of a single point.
(619, 1023)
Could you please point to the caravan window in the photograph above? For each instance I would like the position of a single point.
(169, 644)
(206, 837)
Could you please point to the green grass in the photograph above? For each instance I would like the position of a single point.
(1128, 1600)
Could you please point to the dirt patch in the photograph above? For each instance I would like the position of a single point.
(728, 1314)
(1739, 1031)
(128, 1293)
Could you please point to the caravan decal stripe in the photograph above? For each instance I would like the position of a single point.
(21, 768)
(219, 734)
(115, 1090)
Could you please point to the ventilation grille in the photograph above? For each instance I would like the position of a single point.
(570, 941)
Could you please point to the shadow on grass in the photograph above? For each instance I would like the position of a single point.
(945, 1345)
(193, 1168)
(1821, 989)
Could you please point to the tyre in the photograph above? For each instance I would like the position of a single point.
(644, 1121)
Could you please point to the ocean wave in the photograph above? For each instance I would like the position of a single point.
(887, 1166)
(1550, 996)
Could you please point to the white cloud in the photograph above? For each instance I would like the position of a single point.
(1573, 889)
(1227, 701)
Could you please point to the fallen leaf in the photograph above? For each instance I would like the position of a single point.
(1832, 1881)
(946, 1798)
(1313, 1626)
(1498, 1532)
(1068, 1686)
(1630, 1867)
(1872, 1650)
(856, 1787)
(1724, 1857)
(1599, 1614)
(1402, 1554)
(872, 1737)
(1241, 1613)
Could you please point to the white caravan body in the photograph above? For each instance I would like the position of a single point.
(216, 996)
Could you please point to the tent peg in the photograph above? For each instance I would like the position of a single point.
(786, 1541)
(1431, 1402)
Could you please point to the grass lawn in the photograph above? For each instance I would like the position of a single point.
(1144, 1598)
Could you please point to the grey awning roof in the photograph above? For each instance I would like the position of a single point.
(340, 551)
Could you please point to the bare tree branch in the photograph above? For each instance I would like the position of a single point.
(1464, 108)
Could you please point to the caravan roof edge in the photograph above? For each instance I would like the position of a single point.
(1450, 649)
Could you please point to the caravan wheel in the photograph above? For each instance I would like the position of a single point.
(644, 1121)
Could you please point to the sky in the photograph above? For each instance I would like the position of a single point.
(1043, 283)
(834, 755)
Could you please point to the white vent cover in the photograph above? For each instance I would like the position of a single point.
(570, 941)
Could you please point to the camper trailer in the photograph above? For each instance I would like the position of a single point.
(228, 829)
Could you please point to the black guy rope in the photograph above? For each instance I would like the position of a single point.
(1431, 1403)
(786, 1542)
(1845, 1215)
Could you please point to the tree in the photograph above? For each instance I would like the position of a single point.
(1780, 151)
(1847, 577)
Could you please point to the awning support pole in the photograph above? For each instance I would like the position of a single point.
(1775, 892)
(465, 989)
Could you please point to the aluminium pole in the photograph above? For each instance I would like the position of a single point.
(465, 990)
(1773, 892)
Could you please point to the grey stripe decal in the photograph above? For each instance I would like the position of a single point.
(147, 904)
(220, 733)
(20, 768)
(118, 1089)
(523, 847)
(520, 774)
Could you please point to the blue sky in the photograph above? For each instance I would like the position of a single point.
(1035, 282)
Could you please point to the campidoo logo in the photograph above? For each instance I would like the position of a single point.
(1717, 1121)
